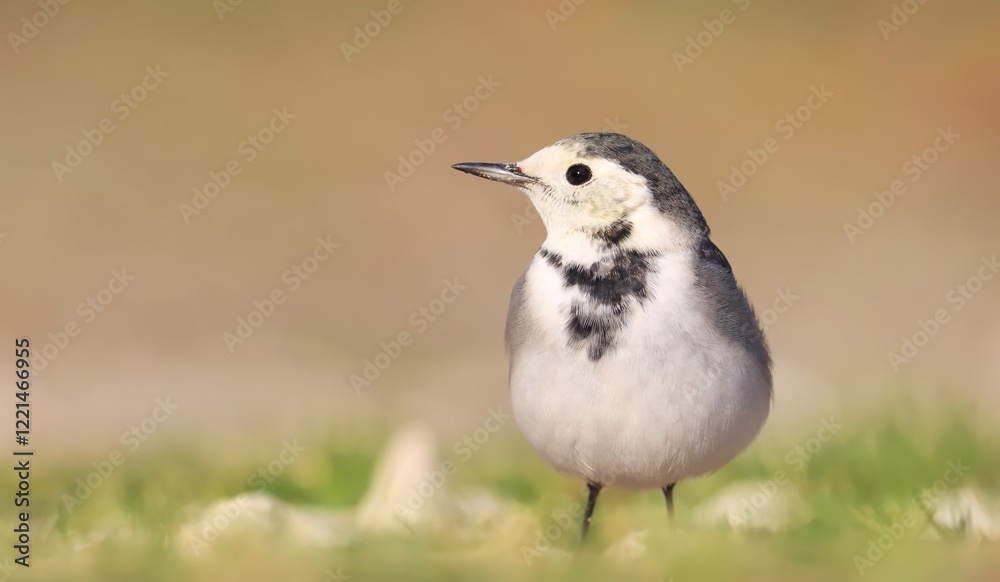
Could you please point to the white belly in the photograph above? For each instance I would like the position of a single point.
(672, 400)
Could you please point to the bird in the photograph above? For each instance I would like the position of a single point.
(636, 359)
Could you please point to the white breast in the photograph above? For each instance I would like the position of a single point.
(672, 400)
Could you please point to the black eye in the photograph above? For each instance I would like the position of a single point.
(577, 174)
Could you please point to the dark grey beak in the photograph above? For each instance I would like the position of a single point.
(506, 173)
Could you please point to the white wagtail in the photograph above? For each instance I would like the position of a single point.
(635, 357)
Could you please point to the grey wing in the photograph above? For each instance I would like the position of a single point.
(516, 318)
(726, 304)
(712, 255)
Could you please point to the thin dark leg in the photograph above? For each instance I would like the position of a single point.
(592, 490)
(668, 494)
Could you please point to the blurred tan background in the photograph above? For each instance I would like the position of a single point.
(215, 73)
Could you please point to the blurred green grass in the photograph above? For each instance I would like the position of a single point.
(854, 485)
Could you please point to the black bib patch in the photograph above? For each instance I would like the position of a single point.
(609, 287)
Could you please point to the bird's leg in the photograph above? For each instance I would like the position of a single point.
(668, 494)
(592, 490)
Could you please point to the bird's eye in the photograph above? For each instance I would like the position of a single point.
(578, 174)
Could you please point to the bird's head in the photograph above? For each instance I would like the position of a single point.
(602, 191)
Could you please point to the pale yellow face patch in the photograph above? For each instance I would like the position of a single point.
(610, 194)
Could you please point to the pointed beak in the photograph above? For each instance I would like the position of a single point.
(506, 173)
